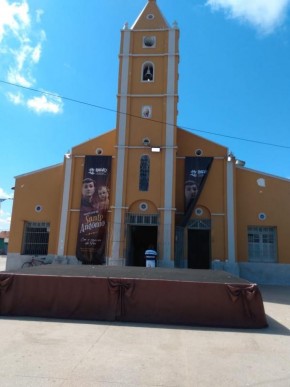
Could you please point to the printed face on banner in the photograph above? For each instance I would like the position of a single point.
(196, 170)
(190, 191)
(92, 232)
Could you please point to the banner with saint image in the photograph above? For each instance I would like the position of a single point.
(95, 201)
(196, 171)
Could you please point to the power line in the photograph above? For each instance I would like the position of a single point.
(58, 96)
(149, 119)
(239, 138)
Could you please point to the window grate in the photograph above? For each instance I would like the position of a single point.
(36, 237)
(199, 224)
(147, 220)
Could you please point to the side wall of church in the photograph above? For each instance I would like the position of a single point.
(37, 198)
(259, 193)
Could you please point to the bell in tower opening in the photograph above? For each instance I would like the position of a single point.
(148, 72)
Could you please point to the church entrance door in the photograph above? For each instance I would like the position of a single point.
(198, 249)
(138, 240)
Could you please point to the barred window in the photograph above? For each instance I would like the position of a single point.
(144, 173)
(262, 246)
(35, 240)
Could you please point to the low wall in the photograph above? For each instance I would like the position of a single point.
(266, 273)
(15, 261)
(260, 273)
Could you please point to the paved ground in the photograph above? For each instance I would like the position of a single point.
(39, 352)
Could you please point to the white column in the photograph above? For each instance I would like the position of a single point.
(64, 207)
(121, 150)
(169, 153)
(231, 211)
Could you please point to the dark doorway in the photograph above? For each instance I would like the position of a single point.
(198, 249)
(139, 238)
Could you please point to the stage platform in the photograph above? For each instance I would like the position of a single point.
(132, 294)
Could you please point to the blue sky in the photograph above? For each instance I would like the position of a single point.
(234, 78)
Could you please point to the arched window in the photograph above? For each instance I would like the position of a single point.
(144, 173)
(147, 72)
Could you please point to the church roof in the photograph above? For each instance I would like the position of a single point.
(150, 18)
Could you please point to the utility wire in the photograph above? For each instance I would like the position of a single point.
(149, 119)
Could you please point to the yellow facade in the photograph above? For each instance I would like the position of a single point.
(272, 199)
(39, 190)
(238, 212)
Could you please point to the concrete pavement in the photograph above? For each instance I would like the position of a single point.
(39, 352)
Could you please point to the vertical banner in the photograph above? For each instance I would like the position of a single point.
(92, 232)
(196, 171)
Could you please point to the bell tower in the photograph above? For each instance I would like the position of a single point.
(146, 129)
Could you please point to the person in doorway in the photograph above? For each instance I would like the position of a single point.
(150, 256)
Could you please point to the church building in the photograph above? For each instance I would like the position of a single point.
(149, 182)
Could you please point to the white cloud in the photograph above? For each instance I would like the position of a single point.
(36, 53)
(15, 76)
(5, 220)
(21, 45)
(45, 104)
(39, 13)
(5, 210)
(16, 98)
(41, 104)
(265, 15)
(4, 195)
(13, 18)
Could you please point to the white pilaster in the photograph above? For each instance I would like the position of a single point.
(121, 150)
(169, 152)
(64, 207)
(231, 212)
